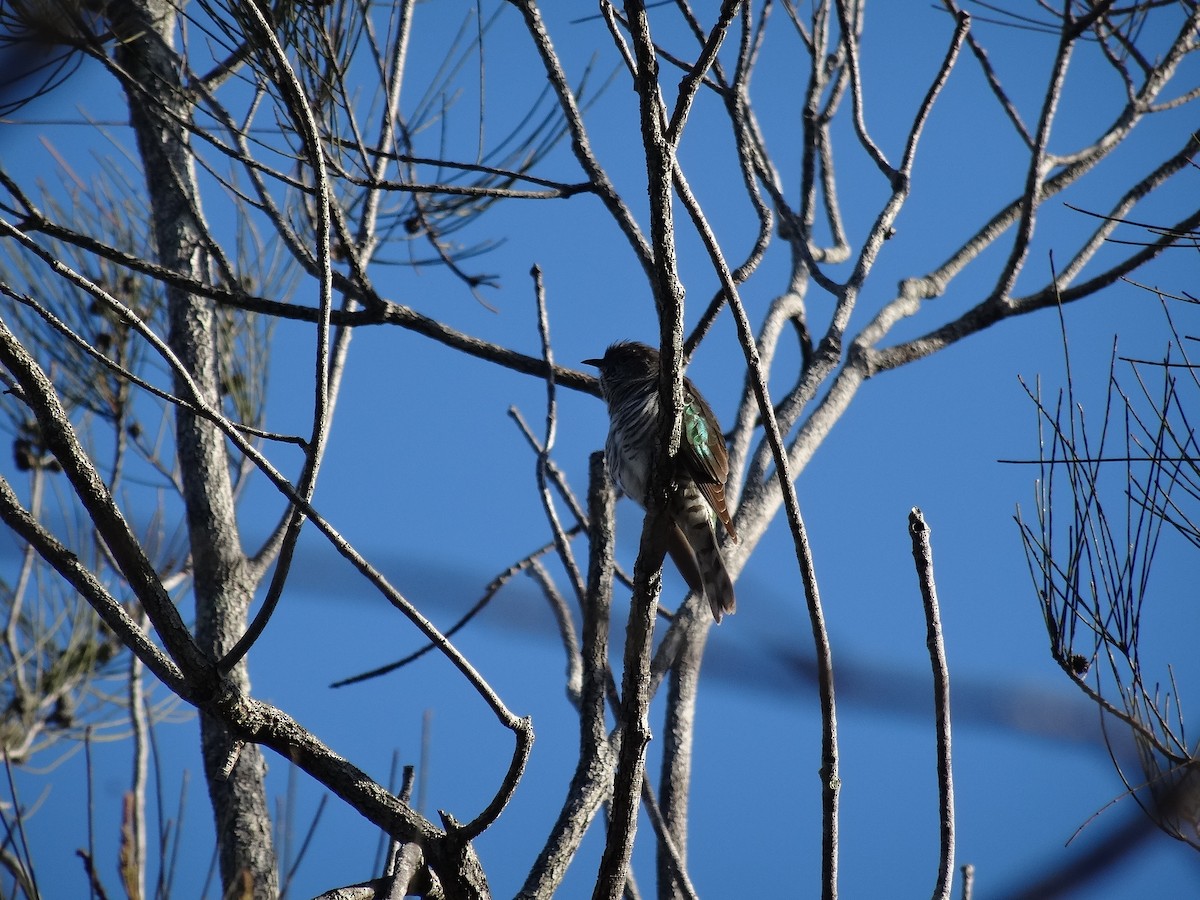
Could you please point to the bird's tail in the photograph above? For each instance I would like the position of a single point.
(693, 547)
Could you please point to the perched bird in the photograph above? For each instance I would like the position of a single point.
(629, 374)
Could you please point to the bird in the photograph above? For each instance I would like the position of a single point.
(629, 376)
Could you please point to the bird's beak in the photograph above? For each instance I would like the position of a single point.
(592, 362)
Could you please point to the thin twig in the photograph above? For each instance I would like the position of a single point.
(140, 727)
(830, 780)
(302, 114)
(923, 559)
(560, 539)
(489, 592)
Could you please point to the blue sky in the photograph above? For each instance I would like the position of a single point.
(428, 477)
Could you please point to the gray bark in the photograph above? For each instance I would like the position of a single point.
(676, 774)
(223, 587)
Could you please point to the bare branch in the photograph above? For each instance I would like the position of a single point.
(592, 780)
(923, 558)
(41, 398)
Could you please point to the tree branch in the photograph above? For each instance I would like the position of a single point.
(923, 559)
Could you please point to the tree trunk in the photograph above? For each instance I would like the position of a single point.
(222, 585)
(676, 775)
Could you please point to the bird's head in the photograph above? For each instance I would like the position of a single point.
(625, 364)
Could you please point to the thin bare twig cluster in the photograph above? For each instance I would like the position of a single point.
(1111, 494)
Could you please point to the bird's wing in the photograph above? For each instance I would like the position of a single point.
(703, 447)
(703, 452)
